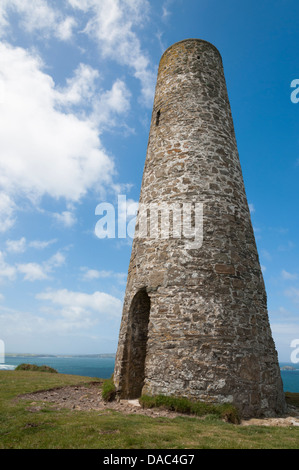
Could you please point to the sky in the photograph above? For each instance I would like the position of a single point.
(77, 81)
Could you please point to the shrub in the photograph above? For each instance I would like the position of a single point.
(108, 389)
(183, 405)
(35, 368)
(292, 398)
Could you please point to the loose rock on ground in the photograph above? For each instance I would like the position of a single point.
(89, 398)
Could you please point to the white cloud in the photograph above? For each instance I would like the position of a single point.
(43, 149)
(6, 271)
(283, 334)
(80, 87)
(266, 255)
(32, 271)
(40, 245)
(287, 247)
(39, 272)
(55, 261)
(91, 274)
(288, 276)
(112, 102)
(23, 326)
(20, 246)
(251, 208)
(16, 246)
(293, 292)
(66, 218)
(112, 24)
(37, 15)
(78, 305)
(7, 210)
(64, 29)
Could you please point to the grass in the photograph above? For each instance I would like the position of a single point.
(183, 405)
(35, 368)
(49, 428)
(108, 389)
(292, 399)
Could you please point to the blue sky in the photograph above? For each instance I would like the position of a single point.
(77, 80)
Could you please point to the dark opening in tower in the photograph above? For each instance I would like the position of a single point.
(135, 350)
(158, 117)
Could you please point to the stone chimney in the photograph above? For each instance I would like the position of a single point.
(195, 321)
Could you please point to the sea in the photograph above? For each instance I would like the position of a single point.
(103, 366)
(86, 366)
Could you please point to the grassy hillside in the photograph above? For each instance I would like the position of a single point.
(50, 428)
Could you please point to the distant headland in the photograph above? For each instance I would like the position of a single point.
(58, 355)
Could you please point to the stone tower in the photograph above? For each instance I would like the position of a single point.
(195, 321)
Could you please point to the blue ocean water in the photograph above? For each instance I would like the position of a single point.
(102, 367)
(290, 378)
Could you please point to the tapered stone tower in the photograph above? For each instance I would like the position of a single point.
(195, 321)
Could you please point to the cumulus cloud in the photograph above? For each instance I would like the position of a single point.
(22, 325)
(80, 87)
(32, 271)
(111, 103)
(111, 23)
(78, 305)
(44, 150)
(288, 276)
(293, 293)
(7, 272)
(42, 244)
(91, 274)
(66, 218)
(251, 208)
(16, 246)
(39, 272)
(7, 211)
(37, 16)
(49, 135)
(55, 261)
(21, 245)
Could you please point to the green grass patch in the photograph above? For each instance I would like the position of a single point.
(292, 399)
(182, 405)
(38, 425)
(108, 389)
(35, 368)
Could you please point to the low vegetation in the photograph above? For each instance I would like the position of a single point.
(32, 424)
(108, 389)
(292, 399)
(35, 368)
(182, 405)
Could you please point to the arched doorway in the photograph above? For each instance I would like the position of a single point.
(135, 352)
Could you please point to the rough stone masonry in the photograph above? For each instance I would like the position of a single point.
(195, 321)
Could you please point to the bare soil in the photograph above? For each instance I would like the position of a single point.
(89, 398)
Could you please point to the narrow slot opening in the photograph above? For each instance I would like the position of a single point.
(158, 117)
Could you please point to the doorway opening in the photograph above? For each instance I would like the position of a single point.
(135, 348)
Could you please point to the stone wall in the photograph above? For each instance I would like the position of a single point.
(208, 336)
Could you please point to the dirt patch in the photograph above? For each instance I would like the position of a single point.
(89, 398)
(283, 421)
